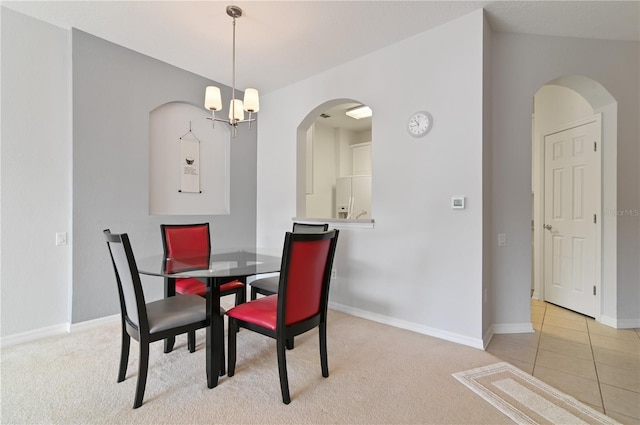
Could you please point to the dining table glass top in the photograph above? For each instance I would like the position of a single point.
(220, 263)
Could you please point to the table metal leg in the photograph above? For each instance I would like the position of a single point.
(214, 350)
(169, 291)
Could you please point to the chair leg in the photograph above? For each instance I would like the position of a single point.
(124, 355)
(241, 295)
(254, 293)
(231, 367)
(282, 369)
(168, 344)
(322, 332)
(142, 373)
(191, 341)
(290, 343)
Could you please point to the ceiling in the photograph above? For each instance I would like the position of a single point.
(281, 42)
(337, 117)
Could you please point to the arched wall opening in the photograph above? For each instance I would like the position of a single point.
(333, 156)
(559, 104)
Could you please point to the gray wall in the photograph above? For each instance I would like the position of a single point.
(114, 89)
(488, 238)
(74, 158)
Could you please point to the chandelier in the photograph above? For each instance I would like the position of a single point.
(237, 107)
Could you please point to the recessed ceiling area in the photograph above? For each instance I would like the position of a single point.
(336, 117)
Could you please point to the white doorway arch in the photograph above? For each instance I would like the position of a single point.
(561, 103)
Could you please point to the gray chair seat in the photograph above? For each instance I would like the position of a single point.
(266, 284)
(173, 312)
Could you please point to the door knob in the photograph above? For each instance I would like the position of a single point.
(547, 226)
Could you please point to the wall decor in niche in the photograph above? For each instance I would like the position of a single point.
(168, 194)
(189, 163)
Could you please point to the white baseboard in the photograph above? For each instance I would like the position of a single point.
(506, 328)
(402, 324)
(512, 328)
(619, 323)
(90, 324)
(62, 328)
(33, 335)
(486, 338)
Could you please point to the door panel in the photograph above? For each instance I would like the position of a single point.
(572, 205)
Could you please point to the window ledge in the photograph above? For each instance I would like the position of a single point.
(339, 223)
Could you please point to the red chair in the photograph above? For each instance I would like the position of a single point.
(299, 306)
(269, 285)
(193, 241)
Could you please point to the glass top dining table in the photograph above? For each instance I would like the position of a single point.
(224, 263)
(214, 270)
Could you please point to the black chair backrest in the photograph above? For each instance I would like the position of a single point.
(310, 227)
(132, 302)
(305, 275)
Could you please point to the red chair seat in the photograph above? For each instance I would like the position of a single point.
(196, 287)
(231, 286)
(262, 312)
(191, 286)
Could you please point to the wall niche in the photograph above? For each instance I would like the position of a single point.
(169, 124)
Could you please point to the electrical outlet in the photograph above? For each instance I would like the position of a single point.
(334, 274)
(61, 238)
(502, 239)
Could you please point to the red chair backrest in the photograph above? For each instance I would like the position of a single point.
(186, 241)
(176, 265)
(307, 262)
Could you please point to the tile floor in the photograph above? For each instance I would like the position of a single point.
(593, 363)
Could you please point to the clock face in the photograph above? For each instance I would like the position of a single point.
(419, 124)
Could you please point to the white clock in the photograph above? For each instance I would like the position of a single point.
(419, 124)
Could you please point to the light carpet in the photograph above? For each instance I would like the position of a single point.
(379, 374)
(526, 399)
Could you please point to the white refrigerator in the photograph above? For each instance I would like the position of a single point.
(353, 197)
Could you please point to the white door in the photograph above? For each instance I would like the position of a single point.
(572, 217)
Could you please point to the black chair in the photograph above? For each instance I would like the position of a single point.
(148, 322)
(299, 306)
(269, 285)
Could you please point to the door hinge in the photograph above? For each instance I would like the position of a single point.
(594, 289)
(595, 146)
(595, 218)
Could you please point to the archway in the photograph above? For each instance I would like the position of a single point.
(566, 102)
(334, 162)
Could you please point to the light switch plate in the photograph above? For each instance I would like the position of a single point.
(457, 202)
